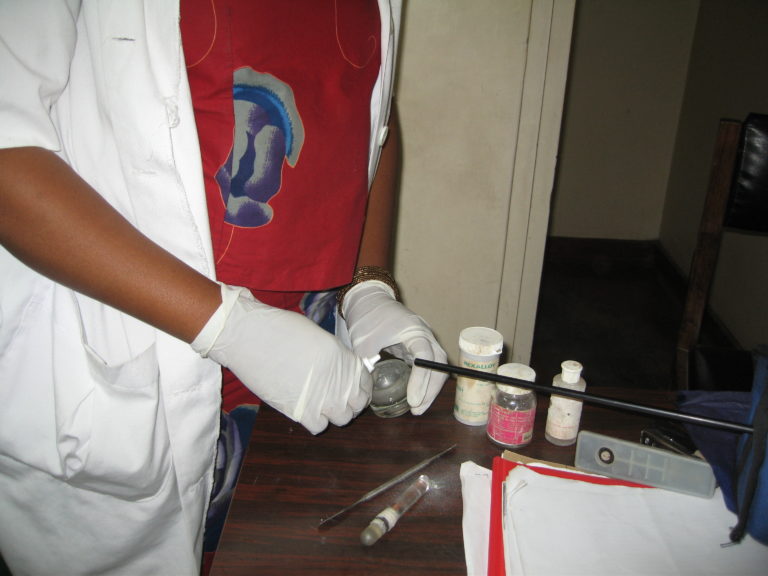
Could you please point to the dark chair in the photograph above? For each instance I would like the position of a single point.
(737, 199)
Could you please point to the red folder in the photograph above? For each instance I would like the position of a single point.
(499, 471)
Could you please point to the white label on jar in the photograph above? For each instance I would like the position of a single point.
(563, 418)
(473, 397)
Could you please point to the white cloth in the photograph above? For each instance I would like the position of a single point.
(558, 526)
(476, 516)
(108, 426)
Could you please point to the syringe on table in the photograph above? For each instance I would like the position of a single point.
(387, 518)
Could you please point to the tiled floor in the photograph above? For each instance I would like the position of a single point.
(615, 307)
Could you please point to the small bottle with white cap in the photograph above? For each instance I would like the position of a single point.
(565, 413)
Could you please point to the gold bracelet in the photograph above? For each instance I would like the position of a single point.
(368, 273)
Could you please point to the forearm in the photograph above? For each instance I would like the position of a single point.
(377, 242)
(58, 225)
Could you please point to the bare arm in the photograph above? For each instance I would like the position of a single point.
(376, 246)
(54, 222)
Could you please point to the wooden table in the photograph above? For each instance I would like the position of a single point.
(291, 479)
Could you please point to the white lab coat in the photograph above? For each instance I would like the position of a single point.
(108, 426)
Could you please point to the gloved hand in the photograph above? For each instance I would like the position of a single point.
(287, 360)
(376, 320)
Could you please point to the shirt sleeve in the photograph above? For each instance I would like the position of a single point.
(37, 44)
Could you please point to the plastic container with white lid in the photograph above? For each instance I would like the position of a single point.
(479, 349)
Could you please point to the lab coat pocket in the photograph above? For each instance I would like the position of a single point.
(116, 440)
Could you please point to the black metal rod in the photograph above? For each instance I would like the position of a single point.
(610, 402)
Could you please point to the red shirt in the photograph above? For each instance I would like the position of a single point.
(281, 91)
(285, 164)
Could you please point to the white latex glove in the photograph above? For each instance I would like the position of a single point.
(375, 320)
(286, 360)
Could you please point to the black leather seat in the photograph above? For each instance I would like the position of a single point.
(737, 199)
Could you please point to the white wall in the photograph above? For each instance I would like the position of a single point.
(649, 81)
(625, 92)
(726, 79)
(457, 72)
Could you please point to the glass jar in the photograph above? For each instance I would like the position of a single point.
(390, 388)
(513, 409)
(511, 417)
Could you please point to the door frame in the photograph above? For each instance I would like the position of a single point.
(541, 100)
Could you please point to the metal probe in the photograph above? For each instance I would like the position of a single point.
(387, 485)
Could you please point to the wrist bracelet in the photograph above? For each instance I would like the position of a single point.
(364, 273)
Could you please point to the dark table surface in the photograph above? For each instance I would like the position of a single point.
(291, 480)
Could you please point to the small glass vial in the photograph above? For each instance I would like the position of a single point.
(389, 397)
(564, 414)
(513, 409)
